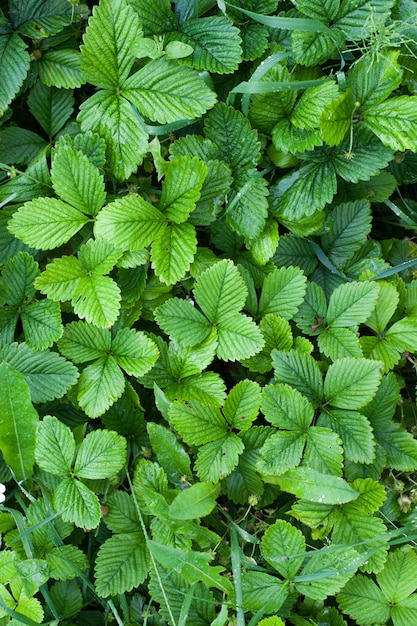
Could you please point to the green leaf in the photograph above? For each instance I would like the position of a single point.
(106, 51)
(77, 181)
(14, 64)
(312, 48)
(394, 122)
(288, 138)
(173, 252)
(352, 383)
(355, 432)
(97, 298)
(134, 351)
(184, 179)
(281, 452)
(283, 547)
(50, 106)
(362, 599)
(67, 597)
(19, 145)
(197, 424)
(337, 343)
(300, 371)
(42, 324)
(122, 516)
(248, 207)
(55, 446)
(165, 92)
(100, 385)
(182, 321)
(323, 452)
(60, 278)
(403, 334)
(358, 20)
(242, 404)
(90, 144)
(46, 223)
(351, 222)
(114, 119)
(102, 454)
(372, 83)
(324, 574)
(400, 447)
(215, 42)
(196, 501)
(309, 107)
(220, 291)
(309, 484)
(17, 422)
(17, 279)
(282, 292)
(130, 223)
(285, 407)
(169, 453)
(263, 592)
(121, 564)
(239, 338)
(218, 458)
(77, 503)
(48, 375)
(385, 307)
(236, 141)
(35, 20)
(277, 335)
(155, 16)
(378, 349)
(60, 68)
(336, 118)
(350, 304)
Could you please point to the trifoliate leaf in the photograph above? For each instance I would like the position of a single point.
(55, 446)
(394, 122)
(355, 432)
(182, 321)
(48, 375)
(215, 43)
(197, 424)
(181, 188)
(282, 292)
(283, 547)
(101, 455)
(398, 579)
(100, 385)
(106, 56)
(18, 422)
(15, 63)
(134, 351)
(237, 142)
(77, 181)
(352, 383)
(60, 68)
(239, 338)
(241, 406)
(113, 118)
(121, 564)
(220, 291)
(218, 458)
(351, 304)
(130, 223)
(372, 82)
(300, 371)
(46, 223)
(77, 503)
(196, 501)
(351, 222)
(50, 106)
(285, 407)
(173, 251)
(42, 324)
(309, 484)
(165, 92)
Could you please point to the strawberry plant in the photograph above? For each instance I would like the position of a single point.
(208, 323)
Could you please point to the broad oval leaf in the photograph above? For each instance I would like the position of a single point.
(101, 455)
(196, 501)
(100, 385)
(314, 486)
(55, 446)
(283, 546)
(77, 503)
(283, 292)
(121, 564)
(352, 383)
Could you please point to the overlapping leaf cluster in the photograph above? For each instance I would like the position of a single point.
(209, 313)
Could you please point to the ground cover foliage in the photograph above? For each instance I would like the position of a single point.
(209, 312)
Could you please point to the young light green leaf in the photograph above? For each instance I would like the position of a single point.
(241, 406)
(352, 383)
(55, 446)
(96, 299)
(106, 51)
(77, 181)
(18, 422)
(46, 223)
(309, 484)
(121, 564)
(403, 334)
(336, 118)
(165, 92)
(363, 600)
(60, 278)
(130, 223)
(100, 385)
(101, 455)
(220, 291)
(385, 307)
(195, 502)
(308, 109)
(282, 292)
(283, 547)
(217, 459)
(173, 251)
(77, 503)
(184, 179)
(351, 304)
(215, 43)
